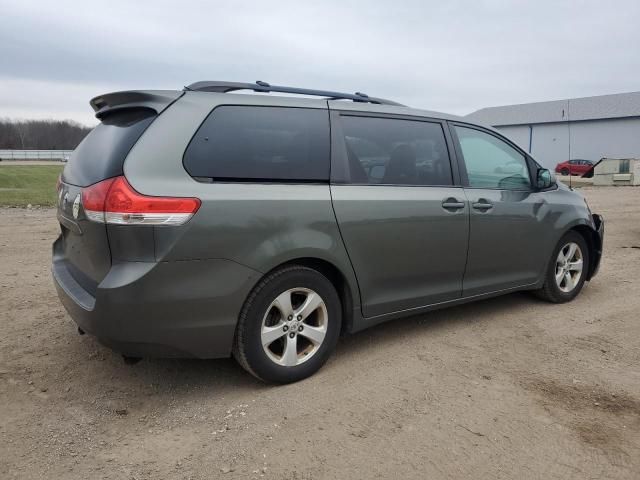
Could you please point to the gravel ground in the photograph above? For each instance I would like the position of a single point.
(504, 388)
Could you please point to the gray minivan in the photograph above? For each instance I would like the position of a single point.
(207, 223)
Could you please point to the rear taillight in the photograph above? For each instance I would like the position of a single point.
(59, 183)
(115, 201)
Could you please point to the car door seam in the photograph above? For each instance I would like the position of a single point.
(466, 263)
(346, 250)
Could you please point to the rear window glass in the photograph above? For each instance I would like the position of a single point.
(101, 154)
(261, 143)
(395, 152)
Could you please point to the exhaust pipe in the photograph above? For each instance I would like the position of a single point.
(131, 360)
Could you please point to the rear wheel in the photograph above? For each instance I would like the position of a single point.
(567, 270)
(289, 325)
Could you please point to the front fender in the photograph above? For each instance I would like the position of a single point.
(598, 244)
(592, 229)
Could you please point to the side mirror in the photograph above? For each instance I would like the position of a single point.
(545, 179)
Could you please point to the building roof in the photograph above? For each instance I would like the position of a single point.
(619, 105)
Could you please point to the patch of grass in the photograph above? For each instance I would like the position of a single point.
(21, 185)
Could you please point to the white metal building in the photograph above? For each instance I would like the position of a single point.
(587, 128)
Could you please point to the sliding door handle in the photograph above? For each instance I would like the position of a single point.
(482, 205)
(452, 204)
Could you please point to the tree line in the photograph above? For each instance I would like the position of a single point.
(41, 134)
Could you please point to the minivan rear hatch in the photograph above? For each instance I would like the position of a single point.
(82, 248)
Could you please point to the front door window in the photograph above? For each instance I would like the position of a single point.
(492, 163)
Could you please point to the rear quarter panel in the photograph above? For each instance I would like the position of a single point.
(259, 225)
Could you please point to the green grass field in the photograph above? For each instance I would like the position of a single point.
(21, 185)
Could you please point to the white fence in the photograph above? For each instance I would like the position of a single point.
(59, 155)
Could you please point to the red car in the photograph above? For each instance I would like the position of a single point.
(574, 167)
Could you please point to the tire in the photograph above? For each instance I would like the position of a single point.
(565, 171)
(555, 292)
(266, 316)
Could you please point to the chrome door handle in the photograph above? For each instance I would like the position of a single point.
(452, 204)
(482, 205)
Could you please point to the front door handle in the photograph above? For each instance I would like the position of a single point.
(482, 205)
(452, 204)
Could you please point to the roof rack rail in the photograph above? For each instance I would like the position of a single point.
(260, 86)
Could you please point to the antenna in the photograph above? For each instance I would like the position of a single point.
(569, 140)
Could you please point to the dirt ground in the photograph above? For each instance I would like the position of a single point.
(506, 388)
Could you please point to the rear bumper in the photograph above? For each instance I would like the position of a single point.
(598, 223)
(164, 309)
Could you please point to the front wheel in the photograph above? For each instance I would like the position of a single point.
(567, 270)
(289, 325)
(565, 171)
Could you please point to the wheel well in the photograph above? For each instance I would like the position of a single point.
(592, 243)
(338, 280)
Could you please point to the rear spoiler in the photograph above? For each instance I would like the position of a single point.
(156, 100)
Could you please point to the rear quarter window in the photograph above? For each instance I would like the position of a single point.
(246, 143)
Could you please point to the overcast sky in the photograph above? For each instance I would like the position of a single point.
(447, 55)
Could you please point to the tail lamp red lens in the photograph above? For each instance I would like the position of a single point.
(115, 201)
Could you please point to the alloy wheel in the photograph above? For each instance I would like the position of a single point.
(294, 326)
(569, 265)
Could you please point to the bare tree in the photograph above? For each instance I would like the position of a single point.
(41, 134)
(22, 130)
